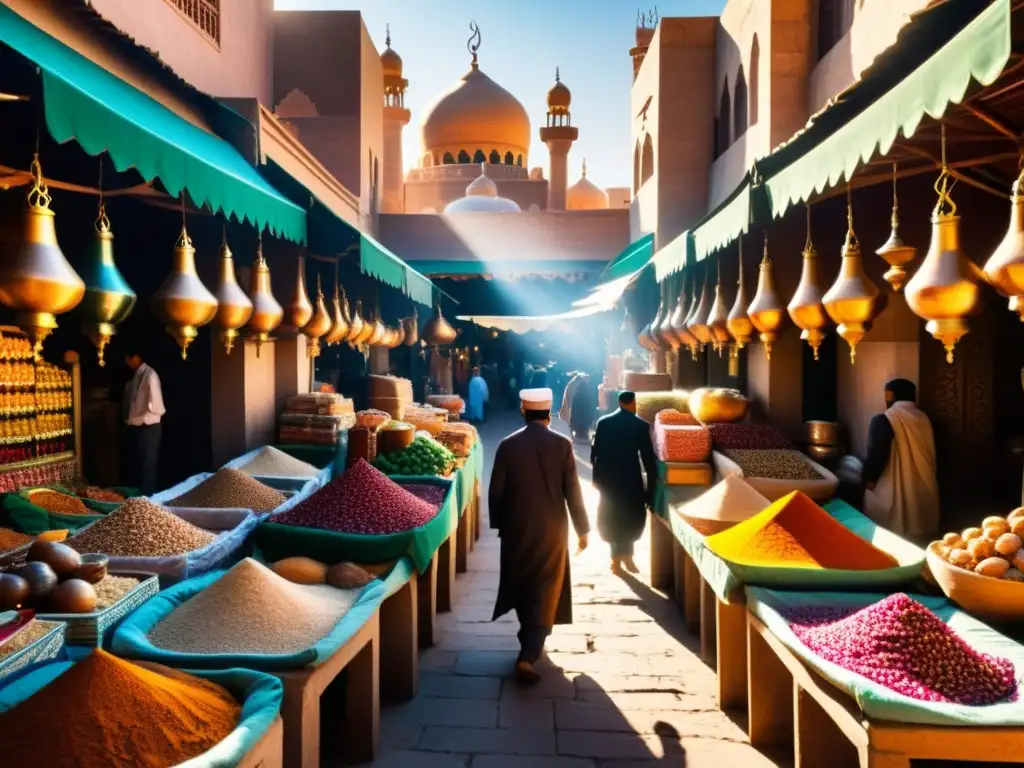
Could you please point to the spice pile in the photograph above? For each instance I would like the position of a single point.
(362, 500)
(727, 437)
(100, 494)
(60, 503)
(794, 532)
(424, 457)
(774, 464)
(271, 462)
(140, 528)
(995, 549)
(107, 712)
(250, 609)
(682, 443)
(674, 417)
(900, 644)
(11, 540)
(722, 506)
(230, 489)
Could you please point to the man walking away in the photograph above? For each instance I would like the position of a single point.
(622, 446)
(533, 481)
(479, 394)
(143, 407)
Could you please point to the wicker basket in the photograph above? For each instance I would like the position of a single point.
(981, 596)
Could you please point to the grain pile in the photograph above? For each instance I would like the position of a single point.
(230, 489)
(11, 540)
(775, 465)
(140, 528)
(61, 503)
(35, 629)
(363, 500)
(271, 462)
(111, 589)
(900, 644)
(250, 609)
(722, 506)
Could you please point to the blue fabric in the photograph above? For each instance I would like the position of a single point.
(398, 576)
(260, 695)
(478, 395)
(876, 701)
(279, 482)
(131, 639)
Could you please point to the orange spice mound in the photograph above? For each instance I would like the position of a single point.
(105, 712)
(794, 532)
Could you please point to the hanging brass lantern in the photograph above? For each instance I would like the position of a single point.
(1004, 269)
(183, 304)
(766, 311)
(438, 332)
(339, 326)
(944, 290)
(318, 325)
(807, 309)
(108, 298)
(233, 307)
(686, 339)
(412, 328)
(853, 301)
(698, 322)
(363, 327)
(36, 280)
(299, 311)
(666, 331)
(657, 325)
(739, 324)
(896, 253)
(718, 319)
(378, 330)
(266, 311)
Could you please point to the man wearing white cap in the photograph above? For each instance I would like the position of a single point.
(533, 481)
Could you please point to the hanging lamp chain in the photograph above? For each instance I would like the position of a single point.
(944, 185)
(851, 235)
(102, 224)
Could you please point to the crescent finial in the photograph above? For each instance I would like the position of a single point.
(473, 44)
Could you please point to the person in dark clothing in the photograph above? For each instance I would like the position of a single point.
(622, 447)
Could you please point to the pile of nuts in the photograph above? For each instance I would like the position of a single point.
(140, 528)
(996, 549)
(773, 464)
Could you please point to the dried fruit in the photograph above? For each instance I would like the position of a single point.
(981, 548)
(73, 596)
(1008, 544)
(301, 570)
(953, 540)
(961, 558)
(348, 576)
(971, 533)
(996, 522)
(996, 567)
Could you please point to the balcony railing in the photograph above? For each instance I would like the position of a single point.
(205, 14)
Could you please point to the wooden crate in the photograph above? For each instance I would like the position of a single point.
(399, 643)
(269, 751)
(685, 473)
(790, 705)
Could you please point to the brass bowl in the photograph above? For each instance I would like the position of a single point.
(718, 406)
(823, 453)
(822, 432)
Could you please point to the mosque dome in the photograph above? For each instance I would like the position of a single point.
(559, 97)
(482, 197)
(390, 61)
(476, 113)
(585, 195)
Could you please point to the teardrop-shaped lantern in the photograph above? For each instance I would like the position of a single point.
(412, 328)
(438, 332)
(318, 325)
(359, 329)
(108, 298)
(339, 326)
(299, 311)
(378, 330)
(806, 308)
(267, 313)
(233, 307)
(1004, 269)
(944, 290)
(36, 280)
(740, 327)
(655, 326)
(646, 340)
(766, 310)
(698, 324)
(896, 253)
(666, 331)
(718, 318)
(682, 310)
(182, 303)
(853, 301)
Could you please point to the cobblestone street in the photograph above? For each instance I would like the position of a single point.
(623, 686)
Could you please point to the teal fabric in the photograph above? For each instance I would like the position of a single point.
(631, 260)
(103, 113)
(518, 268)
(876, 701)
(277, 541)
(398, 576)
(727, 579)
(260, 695)
(132, 642)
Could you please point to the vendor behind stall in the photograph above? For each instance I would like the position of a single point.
(901, 489)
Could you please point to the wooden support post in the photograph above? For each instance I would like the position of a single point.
(427, 598)
(708, 635)
(817, 740)
(399, 643)
(692, 581)
(462, 543)
(871, 759)
(661, 554)
(678, 574)
(769, 695)
(269, 751)
(731, 621)
(477, 509)
(446, 574)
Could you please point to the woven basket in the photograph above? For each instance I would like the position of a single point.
(981, 596)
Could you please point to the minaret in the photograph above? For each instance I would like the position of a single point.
(644, 36)
(558, 135)
(396, 117)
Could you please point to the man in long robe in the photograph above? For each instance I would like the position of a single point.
(533, 481)
(479, 394)
(622, 447)
(901, 485)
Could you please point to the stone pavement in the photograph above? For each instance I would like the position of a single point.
(623, 686)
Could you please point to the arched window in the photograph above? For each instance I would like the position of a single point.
(739, 109)
(479, 157)
(509, 159)
(724, 119)
(463, 156)
(636, 168)
(448, 159)
(495, 158)
(647, 160)
(755, 73)
(519, 161)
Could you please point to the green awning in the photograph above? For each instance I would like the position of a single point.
(730, 220)
(84, 102)
(633, 258)
(944, 49)
(378, 262)
(674, 256)
(518, 268)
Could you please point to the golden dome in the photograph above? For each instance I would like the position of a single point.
(585, 195)
(390, 61)
(559, 96)
(476, 113)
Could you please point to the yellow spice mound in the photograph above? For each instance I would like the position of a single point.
(794, 532)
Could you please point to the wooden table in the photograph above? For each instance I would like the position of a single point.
(269, 751)
(790, 704)
(462, 537)
(446, 573)
(399, 643)
(304, 689)
(477, 510)
(426, 598)
(662, 541)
